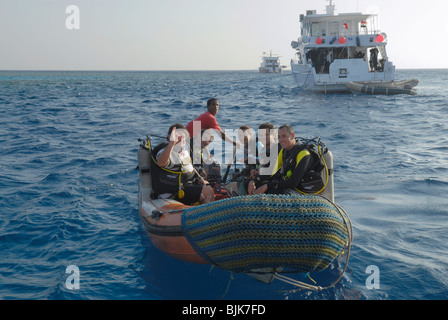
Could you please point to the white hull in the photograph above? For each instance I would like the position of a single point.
(340, 72)
(270, 70)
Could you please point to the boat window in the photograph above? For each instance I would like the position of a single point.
(320, 59)
(340, 53)
(334, 28)
(363, 27)
(315, 29)
(360, 53)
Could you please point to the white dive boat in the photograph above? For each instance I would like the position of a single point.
(270, 64)
(337, 49)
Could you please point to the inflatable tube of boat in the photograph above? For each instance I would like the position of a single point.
(300, 233)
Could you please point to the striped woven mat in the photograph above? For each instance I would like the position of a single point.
(300, 233)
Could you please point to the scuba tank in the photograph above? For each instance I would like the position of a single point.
(328, 192)
(144, 167)
(323, 176)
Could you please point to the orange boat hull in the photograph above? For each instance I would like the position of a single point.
(165, 230)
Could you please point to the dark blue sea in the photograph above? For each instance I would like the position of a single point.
(68, 183)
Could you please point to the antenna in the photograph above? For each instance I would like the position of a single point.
(330, 8)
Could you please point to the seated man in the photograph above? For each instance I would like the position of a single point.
(199, 148)
(203, 161)
(177, 172)
(292, 163)
(246, 136)
(262, 173)
(247, 156)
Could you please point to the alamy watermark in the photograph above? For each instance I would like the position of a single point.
(73, 21)
(72, 281)
(248, 152)
(373, 280)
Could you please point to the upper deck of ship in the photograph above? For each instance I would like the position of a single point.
(348, 28)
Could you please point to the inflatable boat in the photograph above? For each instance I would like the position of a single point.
(260, 235)
(384, 88)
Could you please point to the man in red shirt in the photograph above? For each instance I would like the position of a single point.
(207, 120)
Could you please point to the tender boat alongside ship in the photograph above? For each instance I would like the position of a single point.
(263, 236)
(386, 88)
(336, 52)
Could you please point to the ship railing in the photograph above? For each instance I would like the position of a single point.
(342, 40)
(345, 33)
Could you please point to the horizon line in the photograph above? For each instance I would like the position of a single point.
(169, 70)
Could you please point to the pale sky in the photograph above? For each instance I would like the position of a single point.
(199, 34)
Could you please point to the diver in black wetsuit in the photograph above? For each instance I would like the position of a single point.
(293, 161)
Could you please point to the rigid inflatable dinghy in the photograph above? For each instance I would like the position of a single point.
(384, 88)
(261, 235)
